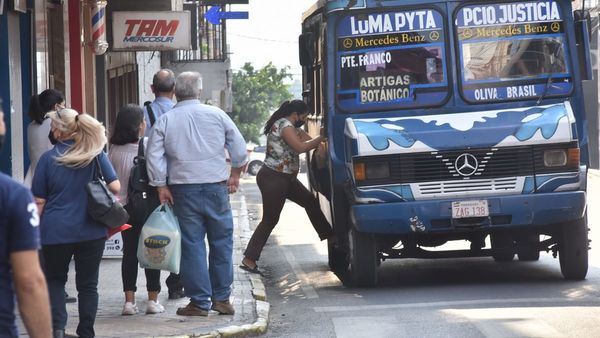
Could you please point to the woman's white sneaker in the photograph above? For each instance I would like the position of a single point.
(154, 307)
(129, 309)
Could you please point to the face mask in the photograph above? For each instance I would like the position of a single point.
(52, 139)
(298, 123)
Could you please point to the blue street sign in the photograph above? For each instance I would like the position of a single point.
(214, 15)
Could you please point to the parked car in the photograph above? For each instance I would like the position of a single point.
(255, 160)
(257, 156)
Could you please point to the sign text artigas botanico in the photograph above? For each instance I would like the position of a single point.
(151, 30)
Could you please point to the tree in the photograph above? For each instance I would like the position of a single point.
(256, 94)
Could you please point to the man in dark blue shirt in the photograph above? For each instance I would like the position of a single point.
(20, 268)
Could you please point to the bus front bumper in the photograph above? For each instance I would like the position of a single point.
(433, 216)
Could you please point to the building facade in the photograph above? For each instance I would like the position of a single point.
(48, 44)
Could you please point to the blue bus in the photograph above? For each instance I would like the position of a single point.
(446, 121)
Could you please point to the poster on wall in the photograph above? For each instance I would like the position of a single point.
(151, 31)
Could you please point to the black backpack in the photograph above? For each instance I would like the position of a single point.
(142, 198)
(151, 116)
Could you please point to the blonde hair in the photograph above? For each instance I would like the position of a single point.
(87, 132)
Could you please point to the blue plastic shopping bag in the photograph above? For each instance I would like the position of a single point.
(159, 246)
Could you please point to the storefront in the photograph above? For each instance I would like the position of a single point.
(15, 76)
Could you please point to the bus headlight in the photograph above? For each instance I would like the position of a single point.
(562, 157)
(377, 170)
(555, 158)
(371, 170)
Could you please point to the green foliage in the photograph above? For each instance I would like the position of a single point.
(256, 95)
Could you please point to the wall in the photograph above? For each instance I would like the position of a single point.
(216, 80)
(148, 65)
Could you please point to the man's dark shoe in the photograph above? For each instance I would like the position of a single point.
(176, 294)
(192, 310)
(61, 334)
(69, 299)
(223, 307)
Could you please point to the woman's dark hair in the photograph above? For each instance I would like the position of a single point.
(286, 109)
(40, 104)
(127, 125)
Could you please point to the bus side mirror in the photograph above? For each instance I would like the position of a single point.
(583, 15)
(582, 39)
(306, 49)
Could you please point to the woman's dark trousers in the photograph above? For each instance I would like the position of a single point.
(275, 188)
(87, 256)
(129, 264)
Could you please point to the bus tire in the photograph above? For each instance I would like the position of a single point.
(337, 258)
(528, 249)
(500, 241)
(573, 249)
(363, 259)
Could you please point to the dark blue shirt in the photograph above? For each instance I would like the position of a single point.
(65, 218)
(18, 232)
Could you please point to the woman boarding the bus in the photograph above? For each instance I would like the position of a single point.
(277, 179)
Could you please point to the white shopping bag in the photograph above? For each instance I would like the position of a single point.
(159, 246)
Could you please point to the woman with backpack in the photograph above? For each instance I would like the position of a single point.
(125, 143)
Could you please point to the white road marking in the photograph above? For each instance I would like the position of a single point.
(517, 322)
(305, 285)
(352, 327)
(491, 323)
(446, 304)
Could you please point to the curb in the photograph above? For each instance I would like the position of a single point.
(262, 307)
(259, 327)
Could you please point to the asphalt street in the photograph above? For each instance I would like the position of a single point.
(468, 297)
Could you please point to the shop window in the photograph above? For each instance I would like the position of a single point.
(56, 47)
(122, 89)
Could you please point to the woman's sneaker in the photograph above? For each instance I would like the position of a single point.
(129, 309)
(154, 307)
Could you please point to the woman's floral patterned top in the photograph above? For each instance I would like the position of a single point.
(280, 156)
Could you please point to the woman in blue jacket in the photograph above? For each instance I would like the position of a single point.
(59, 188)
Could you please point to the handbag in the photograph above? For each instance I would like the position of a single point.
(103, 207)
(142, 198)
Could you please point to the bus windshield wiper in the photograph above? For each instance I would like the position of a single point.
(545, 91)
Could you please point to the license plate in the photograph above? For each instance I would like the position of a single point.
(466, 209)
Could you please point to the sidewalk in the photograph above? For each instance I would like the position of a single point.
(248, 297)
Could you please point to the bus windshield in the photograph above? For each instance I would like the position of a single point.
(391, 60)
(509, 50)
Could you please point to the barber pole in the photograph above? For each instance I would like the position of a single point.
(99, 44)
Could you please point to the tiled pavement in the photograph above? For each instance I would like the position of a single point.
(248, 298)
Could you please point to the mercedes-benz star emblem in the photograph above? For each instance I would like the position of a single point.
(466, 164)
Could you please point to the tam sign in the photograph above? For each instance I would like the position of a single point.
(151, 30)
